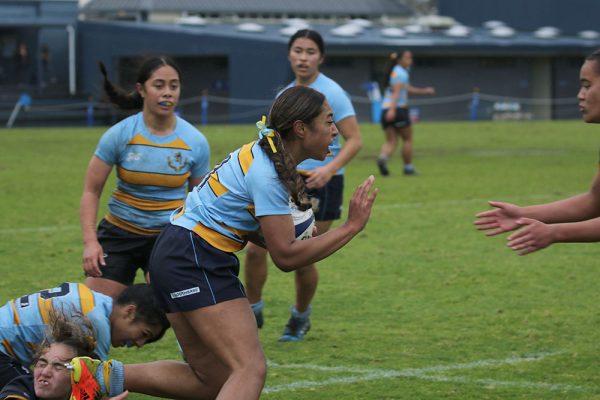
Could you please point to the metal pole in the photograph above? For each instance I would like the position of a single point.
(72, 72)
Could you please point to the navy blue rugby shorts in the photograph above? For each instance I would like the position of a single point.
(402, 119)
(327, 201)
(188, 273)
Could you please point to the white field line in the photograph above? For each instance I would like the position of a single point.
(419, 204)
(38, 229)
(353, 375)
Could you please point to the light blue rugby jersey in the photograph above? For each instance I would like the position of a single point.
(224, 207)
(398, 75)
(152, 171)
(23, 321)
(342, 108)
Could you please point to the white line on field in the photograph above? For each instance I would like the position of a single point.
(361, 374)
(38, 229)
(461, 202)
(419, 204)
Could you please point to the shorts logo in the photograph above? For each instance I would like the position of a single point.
(186, 292)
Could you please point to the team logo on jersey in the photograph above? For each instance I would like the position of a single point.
(177, 163)
(133, 156)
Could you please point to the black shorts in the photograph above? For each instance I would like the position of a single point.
(10, 369)
(327, 201)
(187, 273)
(402, 119)
(124, 252)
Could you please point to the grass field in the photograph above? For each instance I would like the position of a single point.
(419, 306)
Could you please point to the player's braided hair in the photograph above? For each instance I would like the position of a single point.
(299, 103)
(131, 100)
(72, 329)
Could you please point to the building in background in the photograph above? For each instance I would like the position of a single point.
(234, 53)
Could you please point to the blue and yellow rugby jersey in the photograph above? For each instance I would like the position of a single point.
(23, 321)
(152, 171)
(223, 208)
(342, 108)
(398, 75)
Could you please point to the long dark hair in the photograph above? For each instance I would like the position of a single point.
(309, 34)
(298, 103)
(131, 100)
(394, 58)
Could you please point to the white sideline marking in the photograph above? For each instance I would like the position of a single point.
(462, 202)
(419, 204)
(38, 229)
(418, 373)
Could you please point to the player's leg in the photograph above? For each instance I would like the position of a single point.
(255, 273)
(387, 149)
(227, 330)
(105, 286)
(407, 149)
(201, 378)
(307, 278)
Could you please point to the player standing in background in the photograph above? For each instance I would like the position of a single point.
(575, 219)
(193, 267)
(158, 157)
(324, 181)
(395, 116)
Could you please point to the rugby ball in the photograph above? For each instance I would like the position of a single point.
(304, 222)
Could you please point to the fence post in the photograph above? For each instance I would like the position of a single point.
(90, 112)
(473, 108)
(204, 108)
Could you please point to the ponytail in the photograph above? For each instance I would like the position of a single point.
(298, 103)
(393, 61)
(132, 100)
(119, 96)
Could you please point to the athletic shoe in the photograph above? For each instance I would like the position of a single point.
(94, 379)
(259, 319)
(295, 329)
(410, 172)
(382, 164)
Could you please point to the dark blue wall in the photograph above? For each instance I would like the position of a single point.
(570, 16)
(247, 60)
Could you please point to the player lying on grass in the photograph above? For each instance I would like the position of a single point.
(134, 319)
(575, 219)
(54, 376)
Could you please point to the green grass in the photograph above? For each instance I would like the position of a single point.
(419, 306)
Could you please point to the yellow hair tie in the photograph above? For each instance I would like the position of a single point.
(266, 132)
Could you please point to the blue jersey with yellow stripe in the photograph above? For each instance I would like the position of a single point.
(23, 321)
(224, 207)
(398, 75)
(152, 171)
(342, 108)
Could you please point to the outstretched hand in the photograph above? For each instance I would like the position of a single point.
(361, 204)
(533, 236)
(503, 218)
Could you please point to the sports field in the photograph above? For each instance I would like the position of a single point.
(419, 306)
